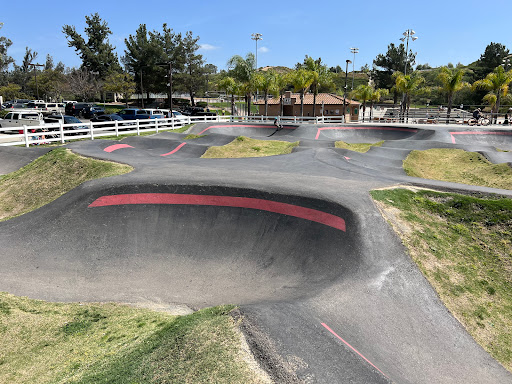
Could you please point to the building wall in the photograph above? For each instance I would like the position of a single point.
(294, 110)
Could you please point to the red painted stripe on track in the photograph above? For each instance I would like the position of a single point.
(351, 347)
(242, 126)
(223, 201)
(174, 150)
(115, 147)
(369, 128)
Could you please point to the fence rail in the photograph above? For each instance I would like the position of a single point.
(61, 133)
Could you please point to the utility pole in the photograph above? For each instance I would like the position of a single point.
(256, 37)
(35, 74)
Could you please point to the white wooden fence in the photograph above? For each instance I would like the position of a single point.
(60, 133)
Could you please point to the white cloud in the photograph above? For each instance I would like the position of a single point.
(263, 49)
(207, 47)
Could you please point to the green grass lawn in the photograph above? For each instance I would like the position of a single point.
(111, 343)
(49, 177)
(246, 147)
(357, 147)
(463, 245)
(459, 166)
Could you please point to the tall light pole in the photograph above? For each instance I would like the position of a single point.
(408, 34)
(354, 51)
(35, 74)
(345, 93)
(256, 37)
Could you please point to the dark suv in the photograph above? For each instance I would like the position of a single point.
(76, 109)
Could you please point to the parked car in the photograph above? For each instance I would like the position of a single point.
(92, 111)
(140, 114)
(197, 111)
(111, 118)
(174, 114)
(65, 119)
(75, 109)
(17, 120)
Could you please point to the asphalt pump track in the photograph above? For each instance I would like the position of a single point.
(327, 291)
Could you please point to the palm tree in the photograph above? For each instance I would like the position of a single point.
(497, 83)
(243, 70)
(376, 95)
(282, 82)
(321, 77)
(409, 85)
(362, 93)
(230, 86)
(451, 83)
(302, 80)
(265, 81)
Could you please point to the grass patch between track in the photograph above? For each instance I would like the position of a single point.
(463, 245)
(357, 147)
(459, 166)
(47, 178)
(246, 147)
(112, 343)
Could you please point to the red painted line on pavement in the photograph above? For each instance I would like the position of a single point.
(174, 150)
(115, 147)
(243, 126)
(351, 347)
(223, 201)
(477, 133)
(369, 128)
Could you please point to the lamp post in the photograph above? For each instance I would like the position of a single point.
(35, 75)
(345, 93)
(408, 34)
(354, 51)
(256, 37)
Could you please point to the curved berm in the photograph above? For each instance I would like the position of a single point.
(194, 245)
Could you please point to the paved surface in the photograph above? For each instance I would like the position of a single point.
(326, 287)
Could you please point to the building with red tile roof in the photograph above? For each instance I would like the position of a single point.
(327, 104)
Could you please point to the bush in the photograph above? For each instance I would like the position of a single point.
(3, 113)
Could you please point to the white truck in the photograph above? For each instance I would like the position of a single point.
(14, 121)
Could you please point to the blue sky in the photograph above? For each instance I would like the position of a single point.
(448, 31)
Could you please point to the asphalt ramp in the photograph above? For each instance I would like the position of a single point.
(193, 245)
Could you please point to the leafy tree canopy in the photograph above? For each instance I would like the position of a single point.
(97, 53)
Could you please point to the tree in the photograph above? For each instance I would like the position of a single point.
(451, 83)
(301, 80)
(51, 83)
(143, 52)
(97, 53)
(393, 61)
(362, 93)
(5, 60)
(320, 74)
(82, 84)
(409, 85)
(49, 62)
(242, 70)
(493, 56)
(10, 91)
(265, 81)
(192, 78)
(120, 83)
(376, 96)
(282, 82)
(496, 83)
(230, 86)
